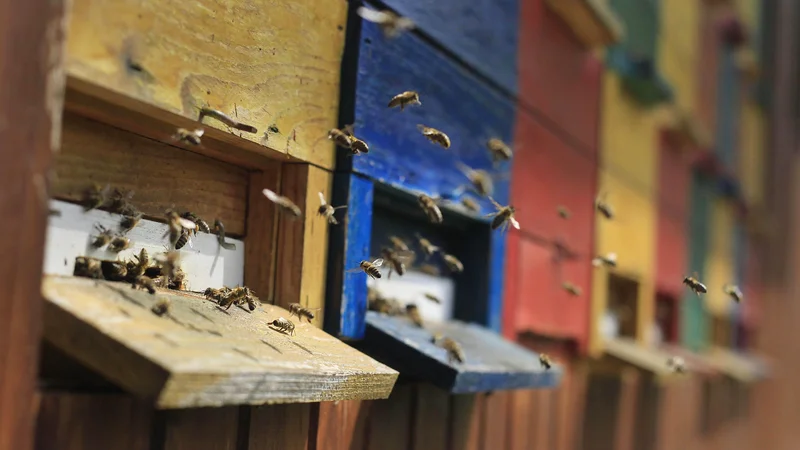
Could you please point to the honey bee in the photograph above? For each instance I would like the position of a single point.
(189, 136)
(161, 307)
(391, 24)
(695, 285)
(95, 197)
(183, 239)
(404, 99)
(435, 136)
(357, 146)
(119, 201)
(453, 264)
(169, 263)
(601, 205)
(733, 292)
(143, 282)
(370, 268)
(114, 270)
(296, 309)
(202, 225)
(396, 260)
(481, 180)
(563, 212)
(219, 228)
(178, 281)
(378, 303)
(138, 268)
(175, 229)
(413, 314)
(327, 211)
(427, 248)
(129, 220)
(340, 138)
(430, 208)
(676, 364)
(433, 298)
(103, 236)
(226, 119)
(499, 150)
(470, 204)
(544, 360)
(88, 268)
(608, 260)
(118, 244)
(573, 290)
(429, 269)
(503, 216)
(284, 203)
(399, 244)
(454, 350)
(283, 325)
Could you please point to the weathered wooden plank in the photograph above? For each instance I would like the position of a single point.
(454, 101)
(70, 421)
(649, 359)
(161, 177)
(32, 93)
(521, 418)
(491, 364)
(279, 427)
(276, 65)
(201, 429)
(261, 252)
(431, 416)
(343, 424)
(303, 251)
(470, 31)
(467, 411)
(495, 421)
(201, 355)
(600, 416)
(390, 421)
(592, 21)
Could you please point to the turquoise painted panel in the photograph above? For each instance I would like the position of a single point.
(728, 108)
(694, 320)
(641, 21)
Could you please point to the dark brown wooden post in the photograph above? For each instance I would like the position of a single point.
(31, 99)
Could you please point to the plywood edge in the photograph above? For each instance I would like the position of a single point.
(593, 22)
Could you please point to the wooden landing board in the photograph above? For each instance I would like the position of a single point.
(464, 107)
(695, 362)
(274, 63)
(492, 363)
(647, 358)
(471, 29)
(746, 368)
(202, 355)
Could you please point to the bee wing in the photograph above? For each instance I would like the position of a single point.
(378, 262)
(340, 207)
(514, 222)
(186, 223)
(273, 197)
(494, 202)
(199, 132)
(423, 128)
(357, 269)
(371, 15)
(322, 199)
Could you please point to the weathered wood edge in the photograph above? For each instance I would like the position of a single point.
(604, 27)
(647, 358)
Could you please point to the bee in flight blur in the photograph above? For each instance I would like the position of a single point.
(430, 208)
(601, 205)
(391, 23)
(427, 247)
(503, 216)
(404, 99)
(175, 229)
(608, 260)
(189, 136)
(453, 263)
(695, 285)
(545, 361)
(435, 136)
(676, 364)
(481, 180)
(296, 309)
(412, 311)
(396, 260)
(733, 292)
(563, 212)
(370, 268)
(284, 203)
(327, 211)
(499, 150)
(573, 290)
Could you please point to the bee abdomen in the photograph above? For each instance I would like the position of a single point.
(183, 239)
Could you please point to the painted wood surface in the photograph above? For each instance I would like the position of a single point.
(592, 21)
(706, 74)
(678, 44)
(492, 363)
(267, 65)
(641, 19)
(649, 359)
(453, 101)
(720, 263)
(483, 33)
(752, 153)
(728, 109)
(673, 218)
(201, 355)
(558, 77)
(694, 329)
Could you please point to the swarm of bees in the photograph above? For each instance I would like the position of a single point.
(226, 297)
(141, 271)
(327, 211)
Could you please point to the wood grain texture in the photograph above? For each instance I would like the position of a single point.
(453, 101)
(472, 31)
(303, 250)
(279, 427)
(161, 177)
(431, 417)
(466, 412)
(204, 356)
(346, 303)
(491, 362)
(390, 421)
(201, 429)
(592, 21)
(261, 251)
(270, 64)
(343, 424)
(495, 421)
(32, 93)
(72, 421)
(558, 76)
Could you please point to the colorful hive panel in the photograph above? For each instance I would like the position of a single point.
(694, 330)
(679, 50)
(728, 108)
(707, 78)
(719, 264)
(673, 182)
(751, 165)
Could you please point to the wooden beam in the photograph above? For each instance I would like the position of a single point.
(31, 98)
(279, 427)
(199, 428)
(343, 425)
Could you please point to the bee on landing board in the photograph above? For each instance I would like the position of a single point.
(143, 282)
(139, 266)
(118, 244)
(695, 285)
(430, 208)
(103, 237)
(544, 360)
(284, 203)
(499, 150)
(130, 218)
(391, 24)
(412, 311)
(454, 350)
(370, 268)
(114, 270)
(283, 325)
(470, 204)
(733, 292)
(404, 99)
(189, 136)
(503, 216)
(327, 211)
(87, 267)
(161, 307)
(481, 180)
(435, 136)
(601, 205)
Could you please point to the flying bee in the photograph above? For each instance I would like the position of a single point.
(103, 236)
(453, 264)
(391, 24)
(404, 99)
(118, 244)
(119, 201)
(430, 208)
(733, 292)
(435, 136)
(169, 262)
(175, 229)
(499, 150)
(189, 136)
(503, 216)
(370, 268)
(357, 146)
(296, 309)
(95, 197)
(129, 220)
(177, 281)
(327, 211)
(340, 138)
(433, 298)
(412, 311)
(454, 350)
(143, 282)
(676, 364)
(137, 268)
(470, 204)
(202, 225)
(284, 203)
(608, 260)
(563, 212)
(573, 290)
(427, 248)
(114, 270)
(481, 180)
(283, 325)
(544, 360)
(161, 307)
(601, 205)
(695, 285)
(429, 269)
(399, 244)
(219, 228)
(395, 259)
(88, 268)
